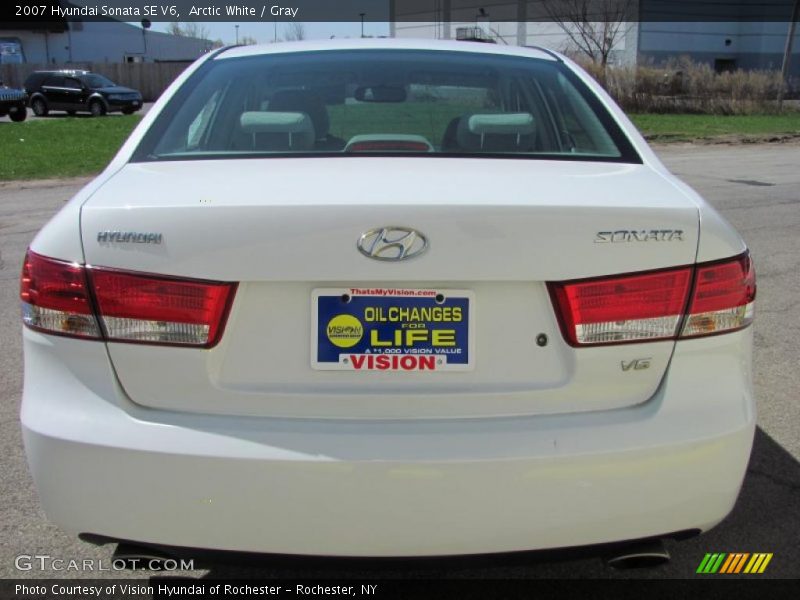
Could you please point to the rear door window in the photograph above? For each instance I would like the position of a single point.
(55, 81)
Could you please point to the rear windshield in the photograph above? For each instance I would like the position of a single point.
(425, 103)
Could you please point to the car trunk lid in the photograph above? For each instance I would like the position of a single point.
(286, 230)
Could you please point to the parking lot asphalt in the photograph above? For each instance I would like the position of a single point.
(756, 187)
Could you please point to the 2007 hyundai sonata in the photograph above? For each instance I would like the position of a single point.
(387, 298)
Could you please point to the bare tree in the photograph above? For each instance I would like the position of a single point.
(248, 40)
(787, 53)
(594, 27)
(192, 30)
(174, 28)
(196, 30)
(294, 32)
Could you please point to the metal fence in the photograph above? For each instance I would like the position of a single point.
(151, 79)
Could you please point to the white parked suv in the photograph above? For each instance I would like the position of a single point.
(387, 298)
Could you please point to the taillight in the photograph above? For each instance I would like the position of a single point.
(147, 308)
(55, 297)
(723, 298)
(623, 309)
(69, 299)
(653, 306)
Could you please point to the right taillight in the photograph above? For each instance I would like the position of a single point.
(723, 297)
(689, 301)
(96, 303)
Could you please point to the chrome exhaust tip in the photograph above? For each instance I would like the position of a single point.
(642, 555)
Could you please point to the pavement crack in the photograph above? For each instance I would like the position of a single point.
(751, 182)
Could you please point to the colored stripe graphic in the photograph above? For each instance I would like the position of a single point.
(727, 564)
(711, 563)
(741, 562)
(734, 563)
(703, 564)
(758, 563)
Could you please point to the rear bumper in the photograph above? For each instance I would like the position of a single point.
(118, 105)
(105, 466)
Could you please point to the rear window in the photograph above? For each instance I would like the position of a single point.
(384, 102)
(97, 81)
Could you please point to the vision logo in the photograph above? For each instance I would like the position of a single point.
(734, 563)
(344, 331)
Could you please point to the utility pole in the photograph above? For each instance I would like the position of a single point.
(787, 54)
(362, 23)
(145, 26)
(237, 34)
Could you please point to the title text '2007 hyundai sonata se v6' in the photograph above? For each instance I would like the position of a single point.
(387, 298)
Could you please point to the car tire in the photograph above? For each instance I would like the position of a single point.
(71, 113)
(20, 114)
(97, 108)
(128, 111)
(39, 107)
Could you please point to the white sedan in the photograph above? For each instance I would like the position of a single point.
(387, 298)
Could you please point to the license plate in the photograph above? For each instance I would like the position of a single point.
(388, 329)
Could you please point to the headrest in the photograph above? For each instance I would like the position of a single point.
(296, 126)
(496, 131)
(503, 124)
(306, 102)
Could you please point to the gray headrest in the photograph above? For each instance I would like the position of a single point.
(296, 126)
(496, 131)
(303, 101)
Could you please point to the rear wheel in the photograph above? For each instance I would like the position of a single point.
(71, 113)
(18, 113)
(39, 107)
(128, 111)
(97, 108)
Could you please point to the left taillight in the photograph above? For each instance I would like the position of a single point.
(151, 309)
(55, 297)
(97, 303)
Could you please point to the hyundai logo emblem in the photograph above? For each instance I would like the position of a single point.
(392, 243)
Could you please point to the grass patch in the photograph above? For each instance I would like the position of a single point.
(683, 128)
(61, 146)
(73, 146)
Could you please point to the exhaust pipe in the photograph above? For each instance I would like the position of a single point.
(641, 555)
(141, 557)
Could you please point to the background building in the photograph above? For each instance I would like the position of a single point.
(61, 42)
(146, 60)
(745, 44)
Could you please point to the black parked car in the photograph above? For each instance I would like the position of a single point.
(13, 103)
(79, 91)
